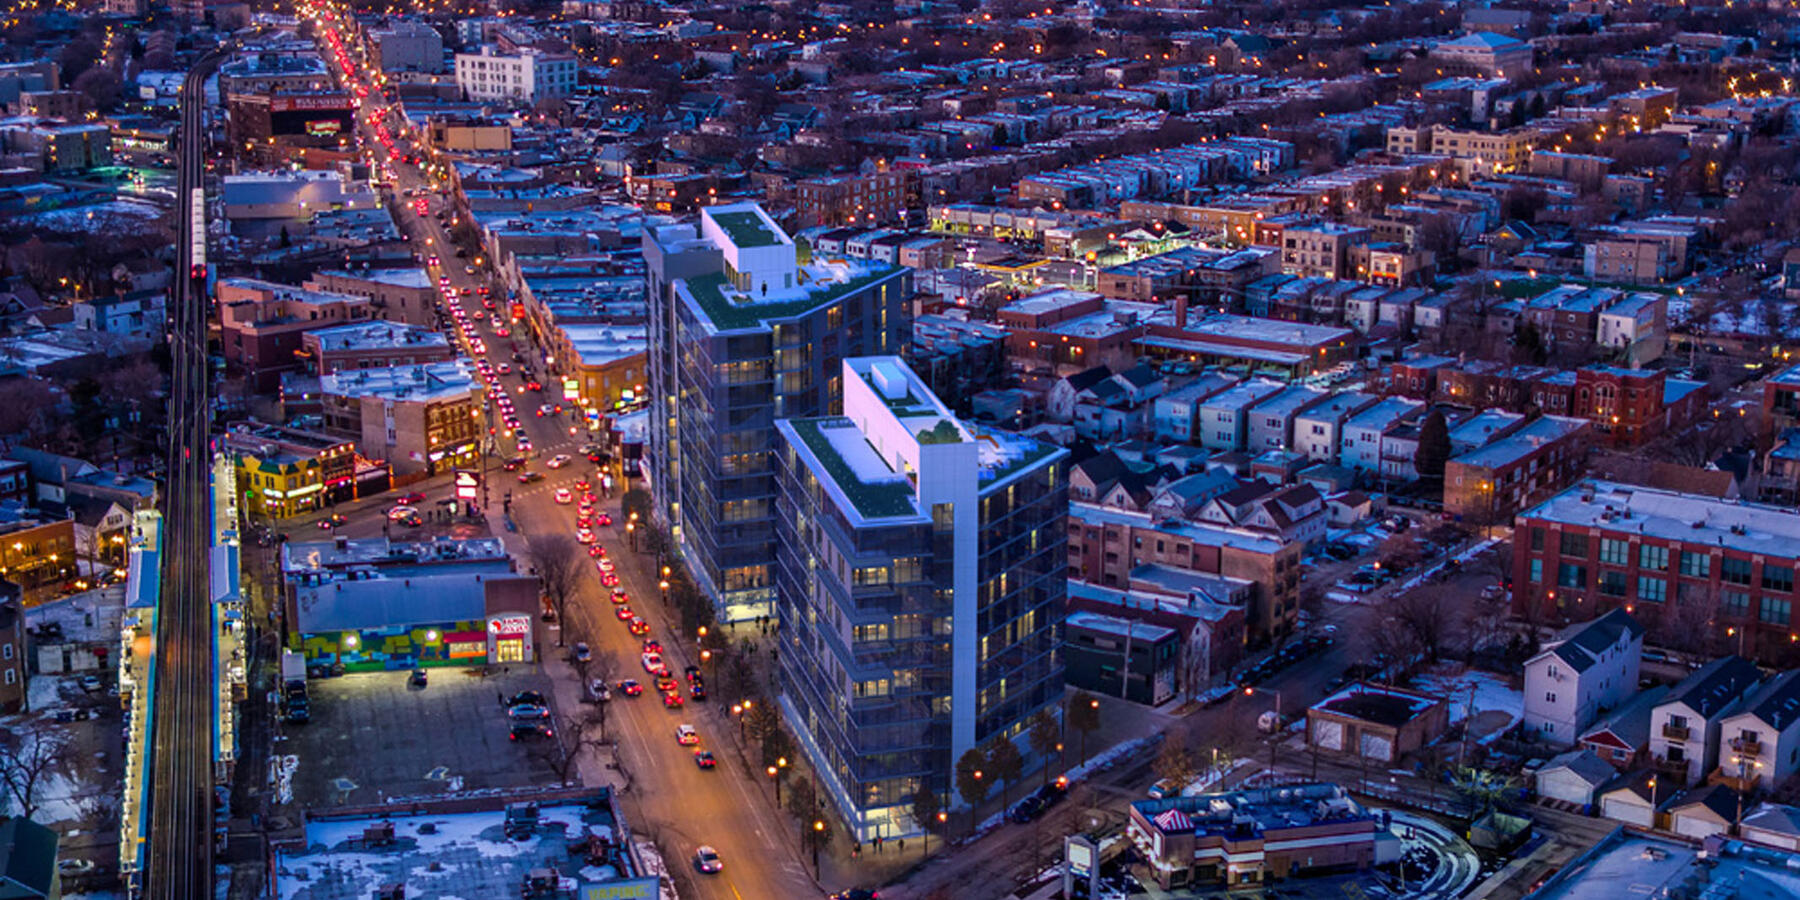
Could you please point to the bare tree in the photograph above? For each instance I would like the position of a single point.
(556, 559)
(1430, 618)
(576, 734)
(1175, 762)
(29, 759)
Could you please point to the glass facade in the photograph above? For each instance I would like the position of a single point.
(868, 614)
(722, 390)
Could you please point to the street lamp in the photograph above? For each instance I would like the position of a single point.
(737, 711)
(664, 585)
(631, 534)
(775, 771)
(818, 829)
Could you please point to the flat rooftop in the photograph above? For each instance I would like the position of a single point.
(746, 229)
(1262, 810)
(302, 557)
(415, 383)
(729, 309)
(449, 855)
(1630, 864)
(378, 335)
(1672, 516)
(1522, 442)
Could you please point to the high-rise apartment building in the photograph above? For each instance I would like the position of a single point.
(747, 329)
(921, 583)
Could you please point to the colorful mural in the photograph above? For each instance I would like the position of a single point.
(379, 649)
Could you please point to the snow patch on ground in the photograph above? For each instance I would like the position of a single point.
(1492, 694)
(1107, 757)
(117, 214)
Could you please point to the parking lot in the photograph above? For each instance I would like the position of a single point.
(373, 737)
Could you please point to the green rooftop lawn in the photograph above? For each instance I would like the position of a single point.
(746, 229)
(873, 501)
(727, 315)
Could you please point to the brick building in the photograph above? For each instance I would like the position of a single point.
(371, 345)
(1111, 547)
(261, 323)
(869, 198)
(1485, 486)
(1722, 571)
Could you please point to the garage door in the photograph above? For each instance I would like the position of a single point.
(1624, 810)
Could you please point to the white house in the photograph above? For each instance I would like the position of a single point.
(1361, 447)
(1761, 741)
(1060, 400)
(1684, 727)
(1316, 429)
(1225, 417)
(1272, 420)
(1592, 667)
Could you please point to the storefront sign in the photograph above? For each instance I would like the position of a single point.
(510, 626)
(322, 127)
(571, 389)
(635, 889)
(310, 103)
(467, 483)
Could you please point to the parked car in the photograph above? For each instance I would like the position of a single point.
(524, 731)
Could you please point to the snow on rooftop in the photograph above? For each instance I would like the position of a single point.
(857, 453)
(466, 855)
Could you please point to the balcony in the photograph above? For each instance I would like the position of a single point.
(1746, 746)
(1675, 732)
(1677, 767)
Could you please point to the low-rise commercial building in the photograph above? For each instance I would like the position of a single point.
(1254, 836)
(376, 605)
(610, 366)
(398, 295)
(421, 419)
(283, 472)
(37, 553)
(371, 345)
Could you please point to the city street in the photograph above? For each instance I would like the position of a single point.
(667, 797)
